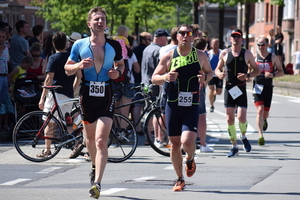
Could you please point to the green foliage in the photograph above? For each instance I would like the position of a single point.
(70, 15)
(278, 2)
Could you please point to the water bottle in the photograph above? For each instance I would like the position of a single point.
(77, 120)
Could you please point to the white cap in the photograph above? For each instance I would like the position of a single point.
(74, 36)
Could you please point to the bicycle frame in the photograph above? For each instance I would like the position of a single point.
(50, 114)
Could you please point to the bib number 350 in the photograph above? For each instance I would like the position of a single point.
(185, 99)
(97, 89)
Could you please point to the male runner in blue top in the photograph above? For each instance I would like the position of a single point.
(100, 60)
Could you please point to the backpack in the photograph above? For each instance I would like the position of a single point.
(125, 77)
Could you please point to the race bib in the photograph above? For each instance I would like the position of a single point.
(258, 88)
(97, 89)
(235, 92)
(185, 99)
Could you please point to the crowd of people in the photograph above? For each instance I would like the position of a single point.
(184, 62)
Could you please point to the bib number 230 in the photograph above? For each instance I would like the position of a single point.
(97, 89)
(185, 99)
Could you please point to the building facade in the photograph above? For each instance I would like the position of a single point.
(12, 11)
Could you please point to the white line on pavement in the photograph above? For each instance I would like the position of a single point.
(19, 180)
(48, 170)
(144, 178)
(112, 190)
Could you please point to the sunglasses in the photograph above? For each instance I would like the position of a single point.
(185, 33)
(149, 40)
(261, 44)
(36, 56)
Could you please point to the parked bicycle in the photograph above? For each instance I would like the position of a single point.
(153, 124)
(33, 129)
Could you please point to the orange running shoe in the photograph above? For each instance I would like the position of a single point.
(179, 184)
(190, 168)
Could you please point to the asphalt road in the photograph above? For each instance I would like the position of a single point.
(267, 172)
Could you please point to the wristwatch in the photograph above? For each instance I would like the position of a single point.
(248, 75)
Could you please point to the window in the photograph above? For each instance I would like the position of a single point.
(288, 10)
(46, 26)
(23, 17)
(259, 11)
(267, 13)
(32, 20)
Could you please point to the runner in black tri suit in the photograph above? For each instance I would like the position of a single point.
(270, 67)
(239, 66)
(184, 68)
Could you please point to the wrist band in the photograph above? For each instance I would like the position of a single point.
(274, 74)
(165, 77)
(77, 66)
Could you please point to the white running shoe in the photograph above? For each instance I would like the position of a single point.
(158, 144)
(206, 149)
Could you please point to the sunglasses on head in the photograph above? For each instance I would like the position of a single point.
(261, 44)
(185, 33)
(236, 36)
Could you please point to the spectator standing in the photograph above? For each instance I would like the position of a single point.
(145, 39)
(271, 38)
(201, 44)
(270, 67)
(149, 63)
(19, 46)
(151, 55)
(5, 101)
(38, 32)
(37, 67)
(184, 68)
(73, 38)
(278, 43)
(239, 66)
(101, 61)
(55, 75)
(215, 85)
(206, 37)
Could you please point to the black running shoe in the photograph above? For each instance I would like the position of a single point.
(212, 109)
(247, 145)
(234, 151)
(265, 126)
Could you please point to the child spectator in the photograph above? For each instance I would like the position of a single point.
(25, 65)
(122, 34)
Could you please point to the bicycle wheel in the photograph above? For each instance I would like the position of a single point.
(122, 140)
(155, 130)
(28, 137)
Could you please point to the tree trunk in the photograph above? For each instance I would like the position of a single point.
(221, 24)
(247, 15)
(136, 26)
(195, 8)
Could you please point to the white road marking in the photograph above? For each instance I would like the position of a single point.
(294, 100)
(144, 178)
(112, 191)
(48, 170)
(19, 180)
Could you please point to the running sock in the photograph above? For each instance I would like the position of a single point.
(232, 133)
(243, 127)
